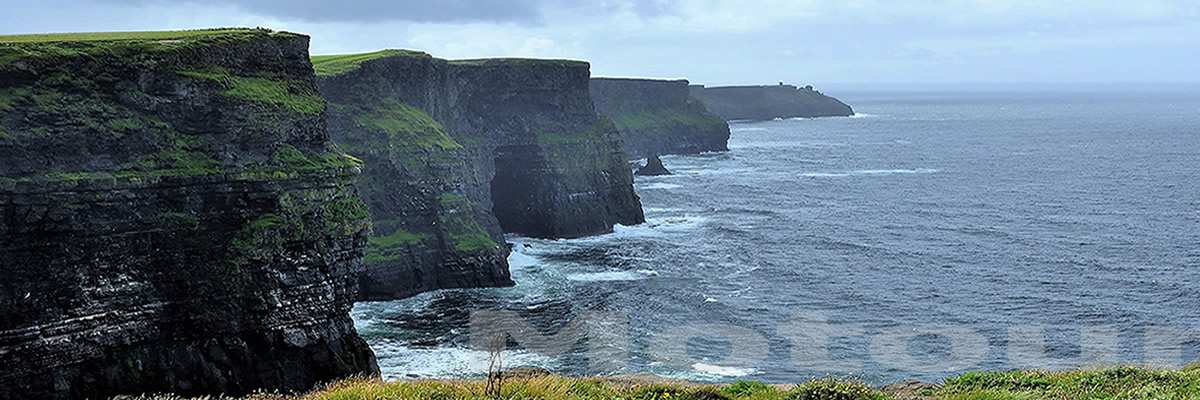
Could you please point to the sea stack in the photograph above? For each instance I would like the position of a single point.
(769, 102)
(460, 152)
(175, 218)
(659, 117)
(654, 167)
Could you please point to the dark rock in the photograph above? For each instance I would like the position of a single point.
(173, 218)
(459, 152)
(653, 167)
(769, 102)
(658, 117)
(427, 234)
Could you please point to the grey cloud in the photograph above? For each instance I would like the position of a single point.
(506, 11)
(528, 12)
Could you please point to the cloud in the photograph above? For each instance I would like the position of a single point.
(508, 11)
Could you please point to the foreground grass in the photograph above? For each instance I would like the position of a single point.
(1114, 384)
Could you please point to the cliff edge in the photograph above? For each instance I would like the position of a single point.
(658, 117)
(769, 102)
(173, 217)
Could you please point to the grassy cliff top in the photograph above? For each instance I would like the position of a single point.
(118, 36)
(1113, 383)
(518, 61)
(640, 80)
(336, 64)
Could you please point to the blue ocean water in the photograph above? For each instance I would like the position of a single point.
(932, 233)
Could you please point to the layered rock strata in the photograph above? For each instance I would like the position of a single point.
(460, 152)
(173, 218)
(658, 117)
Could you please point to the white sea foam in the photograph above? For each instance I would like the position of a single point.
(403, 362)
(869, 172)
(746, 129)
(658, 185)
(718, 370)
(862, 115)
(611, 276)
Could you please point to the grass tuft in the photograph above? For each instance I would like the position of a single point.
(293, 96)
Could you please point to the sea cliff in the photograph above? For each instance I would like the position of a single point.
(769, 102)
(173, 217)
(658, 117)
(460, 152)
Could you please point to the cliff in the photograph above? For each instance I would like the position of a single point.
(173, 217)
(459, 152)
(769, 102)
(415, 178)
(658, 117)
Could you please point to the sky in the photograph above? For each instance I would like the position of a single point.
(714, 42)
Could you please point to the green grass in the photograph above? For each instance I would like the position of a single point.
(1113, 383)
(464, 232)
(519, 62)
(391, 247)
(337, 64)
(1103, 384)
(110, 36)
(407, 126)
(294, 96)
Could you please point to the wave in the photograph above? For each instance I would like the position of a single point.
(870, 172)
(611, 276)
(658, 185)
(399, 361)
(718, 370)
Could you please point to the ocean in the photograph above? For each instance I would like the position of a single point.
(930, 234)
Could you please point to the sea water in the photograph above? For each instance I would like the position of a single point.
(932, 233)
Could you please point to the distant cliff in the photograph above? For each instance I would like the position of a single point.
(459, 152)
(658, 117)
(769, 102)
(173, 217)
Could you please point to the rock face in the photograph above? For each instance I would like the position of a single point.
(654, 167)
(659, 117)
(427, 234)
(173, 218)
(459, 152)
(769, 102)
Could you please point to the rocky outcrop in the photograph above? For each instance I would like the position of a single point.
(427, 234)
(459, 152)
(658, 117)
(769, 102)
(173, 218)
(654, 167)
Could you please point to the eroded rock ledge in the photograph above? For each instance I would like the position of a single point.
(769, 102)
(173, 218)
(658, 117)
(459, 152)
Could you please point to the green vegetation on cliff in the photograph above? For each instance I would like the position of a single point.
(391, 247)
(135, 35)
(294, 96)
(406, 126)
(514, 62)
(336, 64)
(464, 232)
